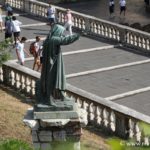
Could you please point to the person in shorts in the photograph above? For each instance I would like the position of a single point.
(41, 58)
(51, 15)
(16, 28)
(68, 21)
(20, 51)
(36, 62)
(122, 7)
(111, 7)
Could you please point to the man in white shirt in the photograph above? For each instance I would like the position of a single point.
(122, 6)
(20, 51)
(16, 28)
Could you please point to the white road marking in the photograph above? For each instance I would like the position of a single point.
(130, 93)
(107, 68)
(34, 24)
(89, 50)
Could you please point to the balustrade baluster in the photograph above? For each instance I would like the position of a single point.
(91, 112)
(135, 40)
(139, 41)
(106, 31)
(131, 39)
(110, 32)
(131, 128)
(79, 102)
(18, 81)
(83, 24)
(115, 34)
(12, 78)
(94, 27)
(146, 141)
(32, 87)
(91, 27)
(128, 37)
(147, 44)
(79, 22)
(105, 118)
(103, 32)
(98, 115)
(1, 74)
(112, 121)
(137, 132)
(143, 43)
(85, 106)
(98, 29)
(27, 85)
(22, 83)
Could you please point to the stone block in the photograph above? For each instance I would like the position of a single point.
(59, 135)
(53, 122)
(36, 145)
(56, 115)
(45, 136)
(46, 146)
(34, 136)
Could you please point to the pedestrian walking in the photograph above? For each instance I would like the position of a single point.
(8, 27)
(111, 7)
(34, 50)
(20, 50)
(8, 8)
(1, 20)
(51, 15)
(16, 28)
(41, 58)
(122, 7)
(68, 21)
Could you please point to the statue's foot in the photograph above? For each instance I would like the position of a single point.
(52, 103)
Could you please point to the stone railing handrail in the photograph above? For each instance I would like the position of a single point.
(90, 25)
(106, 114)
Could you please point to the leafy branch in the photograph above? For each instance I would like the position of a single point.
(5, 47)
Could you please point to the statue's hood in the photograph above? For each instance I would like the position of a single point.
(57, 30)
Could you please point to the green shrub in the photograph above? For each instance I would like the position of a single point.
(14, 144)
(5, 50)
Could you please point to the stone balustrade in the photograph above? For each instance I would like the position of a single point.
(90, 26)
(107, 115)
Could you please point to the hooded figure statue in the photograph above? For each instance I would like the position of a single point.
(53, 74)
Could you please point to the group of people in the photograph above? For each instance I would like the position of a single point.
(12, 28)
(122, 4)
(11, 24)
(35, 50)
(51, 15)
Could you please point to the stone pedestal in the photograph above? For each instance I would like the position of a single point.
(57, 129)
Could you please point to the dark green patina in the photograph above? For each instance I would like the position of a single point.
(53, 82)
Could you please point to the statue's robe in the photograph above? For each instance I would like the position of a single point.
(53, 72)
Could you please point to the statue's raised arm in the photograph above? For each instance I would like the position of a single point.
(53, 81)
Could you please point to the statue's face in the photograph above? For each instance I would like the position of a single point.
(58, 30)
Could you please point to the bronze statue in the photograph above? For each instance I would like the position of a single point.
(53, 74)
